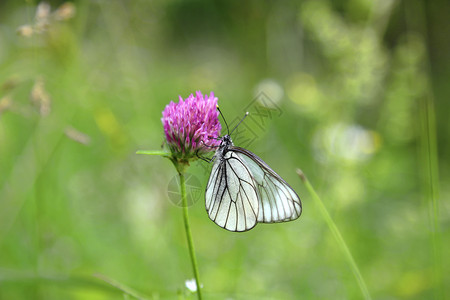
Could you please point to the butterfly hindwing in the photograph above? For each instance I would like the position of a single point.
(231, 196)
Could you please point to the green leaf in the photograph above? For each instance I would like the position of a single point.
(150, 152)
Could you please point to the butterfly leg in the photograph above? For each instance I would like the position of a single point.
(208, 160)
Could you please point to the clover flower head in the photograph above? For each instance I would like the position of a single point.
(192, 125)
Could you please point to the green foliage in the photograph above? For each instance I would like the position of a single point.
(357, 99)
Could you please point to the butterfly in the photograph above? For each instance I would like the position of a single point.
(243, 190)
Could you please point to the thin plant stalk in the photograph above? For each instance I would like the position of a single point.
(429, 151)
(127, 291)
(180, 167)
(187, 228)
(337, 235)
(430, 182)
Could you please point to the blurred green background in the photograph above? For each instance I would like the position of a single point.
(355, 94)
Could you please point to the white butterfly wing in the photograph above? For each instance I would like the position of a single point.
(231, 196)
(278, 202)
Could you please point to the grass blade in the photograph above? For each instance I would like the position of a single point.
(337, 235)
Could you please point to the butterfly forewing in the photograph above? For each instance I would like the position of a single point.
(231, 195)
(278, 202)
(243, 190)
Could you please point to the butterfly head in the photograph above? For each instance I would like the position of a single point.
(226, 140)
(225, 143)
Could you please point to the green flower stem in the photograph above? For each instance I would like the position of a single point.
(181, 165)
(187, 227)
(337, 235)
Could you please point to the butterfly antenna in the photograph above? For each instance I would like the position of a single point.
(246, 114)
(228, 129)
